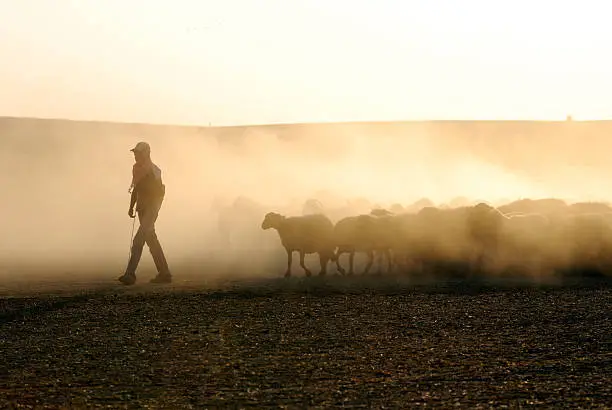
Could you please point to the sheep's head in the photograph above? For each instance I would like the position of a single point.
(312, 206)
(484, 211)
(483, 207)
(478, 211)
(429, 211)
(272, 220)
(397, 208)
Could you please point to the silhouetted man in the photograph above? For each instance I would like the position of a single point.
(147, 194)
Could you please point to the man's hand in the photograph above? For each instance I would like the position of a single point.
(131, 213)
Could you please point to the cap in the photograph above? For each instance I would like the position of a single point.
(141, 147)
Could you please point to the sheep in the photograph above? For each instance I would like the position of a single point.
(589, 207)
(350, 236)
(419, 205)
(531, 235)
(397, 208)
(237, 223)
(494, 233)
(312, 206)
(526, 240)
(385, 236)
(363, 233)
(304, 234)
(510, 239)
(456, 239)
(405, 239)
(546, 206)
(587, 240)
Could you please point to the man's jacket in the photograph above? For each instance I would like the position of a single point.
(147, 184)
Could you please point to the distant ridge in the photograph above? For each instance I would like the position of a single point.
(302, 124)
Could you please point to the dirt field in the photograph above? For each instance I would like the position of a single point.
(333, 342)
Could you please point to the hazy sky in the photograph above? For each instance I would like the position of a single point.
(260, 61)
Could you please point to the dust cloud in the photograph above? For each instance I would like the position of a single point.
(65, 184)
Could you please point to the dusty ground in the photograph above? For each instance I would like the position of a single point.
(337, 342)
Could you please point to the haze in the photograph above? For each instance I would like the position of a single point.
(226, 63)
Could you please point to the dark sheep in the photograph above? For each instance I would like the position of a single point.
(304, 234)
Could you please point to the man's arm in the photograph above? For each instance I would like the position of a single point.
(132, 203)
(137, 172)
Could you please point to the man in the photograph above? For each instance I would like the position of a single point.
(147, 194)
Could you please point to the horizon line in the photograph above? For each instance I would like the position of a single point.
(271, 124)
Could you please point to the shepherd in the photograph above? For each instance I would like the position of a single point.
(148, 193)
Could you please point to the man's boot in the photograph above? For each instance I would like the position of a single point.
(165, 278)
(128, 279)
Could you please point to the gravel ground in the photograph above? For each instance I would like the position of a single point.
(334, 342)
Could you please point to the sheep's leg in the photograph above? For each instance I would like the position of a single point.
(400, 261)
(338, 266)
(324, 259)
(478, 260)
(370, 262)
(412, 263)
(289, 263)
(383, 254)
(389, 260)
(396, 258)
(306, 271)
(379, 254)
(351, 262)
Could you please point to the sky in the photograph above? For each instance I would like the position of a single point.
(237, 62)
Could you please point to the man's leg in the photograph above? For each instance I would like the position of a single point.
(147, 221)
(163, 273)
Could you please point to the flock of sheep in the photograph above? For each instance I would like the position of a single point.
(533, 237)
